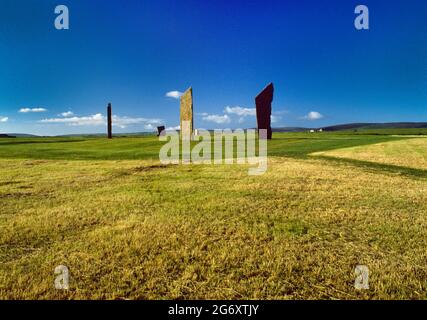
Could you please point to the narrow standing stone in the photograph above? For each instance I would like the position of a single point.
(109, 122)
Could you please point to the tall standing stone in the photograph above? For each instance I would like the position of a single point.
(109, 122)
(186, 114)
(263, 109)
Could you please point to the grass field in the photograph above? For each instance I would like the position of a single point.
(130, 228)
(410, 153)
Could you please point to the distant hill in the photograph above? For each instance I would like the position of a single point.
(387, 125)
(339, 127)
(21, 135)
(291, 129)
(104, 134)
(355, 126)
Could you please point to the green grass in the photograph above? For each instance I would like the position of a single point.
(143, 148)
(130, 228)
(81, 148)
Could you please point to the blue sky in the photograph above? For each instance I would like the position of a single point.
(132, 53)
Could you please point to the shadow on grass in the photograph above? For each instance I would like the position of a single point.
(378, 167)
(301, 148)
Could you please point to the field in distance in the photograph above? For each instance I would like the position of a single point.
(128, 227)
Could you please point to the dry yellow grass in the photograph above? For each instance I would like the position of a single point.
(411, 153)
(138, 230)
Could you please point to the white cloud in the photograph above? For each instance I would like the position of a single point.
(242, 112)
(148, 126)
(99, 119)
(4, 119)
(126, 121)
(313, 115)
(96, 119)
(275, 119)
(217, 118)
(280, 112)
(67, 114)
(173, 128)
(27, 110)
(174, 94)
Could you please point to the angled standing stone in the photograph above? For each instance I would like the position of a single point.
(161, 131)
(263, 109)
(186, 118)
